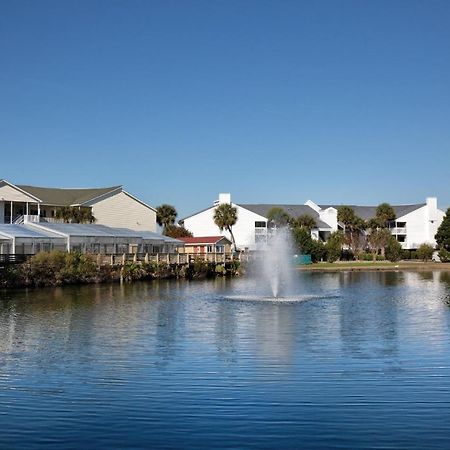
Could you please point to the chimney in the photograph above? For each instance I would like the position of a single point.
(223, 198)
(432, 208)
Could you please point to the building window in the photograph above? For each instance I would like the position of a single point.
(401, 238)
(260, 224)
(220, 249)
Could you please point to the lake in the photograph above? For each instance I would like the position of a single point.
(365, 363)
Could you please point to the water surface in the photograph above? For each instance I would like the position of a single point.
(177, 365)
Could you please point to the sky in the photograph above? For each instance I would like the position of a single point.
(341, 102)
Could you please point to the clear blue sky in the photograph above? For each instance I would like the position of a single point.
(273, 101)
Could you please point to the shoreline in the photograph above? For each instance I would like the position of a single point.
(354, 266)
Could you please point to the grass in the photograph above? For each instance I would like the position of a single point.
(377, 265)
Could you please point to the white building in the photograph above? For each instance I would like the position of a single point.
(111, 206)
(415, 224)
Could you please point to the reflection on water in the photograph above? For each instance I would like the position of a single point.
(174, 365)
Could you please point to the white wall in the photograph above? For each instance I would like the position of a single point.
(9, 194)
(422, 224)
(329, 216)
(202, 224)
(121, 210)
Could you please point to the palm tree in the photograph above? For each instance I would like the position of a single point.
(277, 217)
(353, 227)
(384, 214)
(306, 221)
(73, 214)
(225, 216)
(166, 215)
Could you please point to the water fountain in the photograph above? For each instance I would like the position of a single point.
(273, 272)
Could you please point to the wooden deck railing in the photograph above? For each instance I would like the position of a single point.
(169, 258)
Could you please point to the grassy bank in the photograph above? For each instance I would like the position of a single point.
(376, 265)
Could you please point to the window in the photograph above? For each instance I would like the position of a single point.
(260, 224)
(220, 248)
(209, 249)
(401, 238)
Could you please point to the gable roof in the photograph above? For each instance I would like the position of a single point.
(203, 239)
(369, 212)
(65, 197)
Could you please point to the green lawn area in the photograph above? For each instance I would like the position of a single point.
(355, 265)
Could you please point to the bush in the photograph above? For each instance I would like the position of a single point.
(394, 250)
(56, 268)
(306, 245)
(444, 255)
(425, 252)
(333, 247)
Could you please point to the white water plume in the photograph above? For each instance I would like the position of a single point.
(276, 262)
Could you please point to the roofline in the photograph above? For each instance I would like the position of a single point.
(198, 212)
(140, 201)
(99, 196)
(21, 190)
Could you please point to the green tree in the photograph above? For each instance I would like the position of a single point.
(334, 246)
(225, 216)
(353, 229)
(443, 233)
(74, 214)
(425, 252)
(306, 221)
(378, 239)
(384, 214)
(277, 217)
(306, 245)
(394, 250)
(165, 215)
(175, 231)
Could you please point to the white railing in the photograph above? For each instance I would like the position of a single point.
(19, 220)
(398, 230)
(31, 218)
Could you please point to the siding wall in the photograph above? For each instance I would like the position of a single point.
(13, 195)
(120, 210)
(202, 224)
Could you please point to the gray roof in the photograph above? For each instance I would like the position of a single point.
(368, 212)
(293, 211)
(149, 235)
(66, 197)
(24, 231)
(95, 230)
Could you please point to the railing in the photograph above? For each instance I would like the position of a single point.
(398, 230)
(13, 258)
(169, 258)
(18, 219)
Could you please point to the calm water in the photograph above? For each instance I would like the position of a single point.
(176, 365)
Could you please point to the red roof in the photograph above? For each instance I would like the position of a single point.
(202, 239)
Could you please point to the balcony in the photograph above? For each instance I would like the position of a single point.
(398, 230)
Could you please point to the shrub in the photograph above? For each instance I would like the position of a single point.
(393, 250)
(366, 256)
(132, 271)
(425, 252)
(333, 247)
